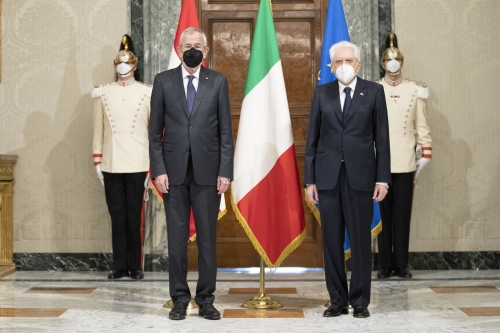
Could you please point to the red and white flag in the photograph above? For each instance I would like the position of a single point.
(187, 19)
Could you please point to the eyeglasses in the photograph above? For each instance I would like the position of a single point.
(348, 61)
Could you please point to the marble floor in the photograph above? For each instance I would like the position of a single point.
(433, 301)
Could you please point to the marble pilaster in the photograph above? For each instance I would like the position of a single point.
(385, 27)
(137, 32)
(160, 23)
(362, 22)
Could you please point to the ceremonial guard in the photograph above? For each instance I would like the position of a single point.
(411, 150)
(121, 158)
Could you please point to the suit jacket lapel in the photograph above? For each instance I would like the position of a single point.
(178, 83)
(202, 88)
(335, 99)
(357, 98)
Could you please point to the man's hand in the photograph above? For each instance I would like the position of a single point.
(421, 163)
(222, 184)
(379, 193)
(161, 182)
(312, 194)
(99, 173)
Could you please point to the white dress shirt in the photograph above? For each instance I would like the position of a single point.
(185, 78)
(342, 92)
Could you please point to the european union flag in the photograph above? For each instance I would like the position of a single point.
(336, 31)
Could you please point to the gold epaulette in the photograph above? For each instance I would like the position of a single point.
(418, 83)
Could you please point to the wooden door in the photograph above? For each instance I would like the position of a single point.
(229, 25)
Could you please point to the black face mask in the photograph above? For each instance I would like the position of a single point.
(192, 57)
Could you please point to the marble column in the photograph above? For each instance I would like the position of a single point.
(136, 32)
(362, 18)
(7, 163)
(160, 23)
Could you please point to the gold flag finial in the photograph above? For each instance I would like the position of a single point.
(124, 42)
(391, 37)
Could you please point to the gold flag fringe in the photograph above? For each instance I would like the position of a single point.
(155, 192)
(377, 230)
(285, 253)
(313, 209)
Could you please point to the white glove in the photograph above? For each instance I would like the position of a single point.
(421, 163)
(99, 173)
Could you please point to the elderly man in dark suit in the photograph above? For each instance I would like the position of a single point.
(347, 167)
(192, 165)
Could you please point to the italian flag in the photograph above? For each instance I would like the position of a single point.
(266, 193)
(188, 18)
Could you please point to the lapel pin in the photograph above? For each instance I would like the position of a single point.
(361, 94)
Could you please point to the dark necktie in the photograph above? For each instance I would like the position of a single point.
(347, 103)
(191, 93)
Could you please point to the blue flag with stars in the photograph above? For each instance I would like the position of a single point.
(336, 31)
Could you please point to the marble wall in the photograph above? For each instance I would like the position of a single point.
(453, 46)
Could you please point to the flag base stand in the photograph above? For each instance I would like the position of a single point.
(262, 301)
(169, 305)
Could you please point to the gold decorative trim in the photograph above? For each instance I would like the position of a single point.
(285, 253)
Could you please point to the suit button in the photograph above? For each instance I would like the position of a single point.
(190, 127)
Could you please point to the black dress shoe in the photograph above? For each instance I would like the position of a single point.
(208, 311)
(335, 310)
(118, 274)
(403, 273)
(136, 274)
(384, 273)
(178, 312)
(361, 312)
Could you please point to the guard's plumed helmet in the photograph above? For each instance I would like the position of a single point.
(126, 53)
(392, 51)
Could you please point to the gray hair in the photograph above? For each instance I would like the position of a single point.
(336, 46)
(192, 30)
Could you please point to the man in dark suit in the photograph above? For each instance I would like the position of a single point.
(192, 165)
(347, 167)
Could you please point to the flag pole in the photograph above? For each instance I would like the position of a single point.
(262, 301)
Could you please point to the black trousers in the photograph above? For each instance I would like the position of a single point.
(124, 195)
(342, 208)
(394, 240)
(205, 202)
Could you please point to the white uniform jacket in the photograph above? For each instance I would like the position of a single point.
(121, 119)
(407, 112)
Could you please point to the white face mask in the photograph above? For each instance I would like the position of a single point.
(123, 69)
(345, 73)
(393, 66)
